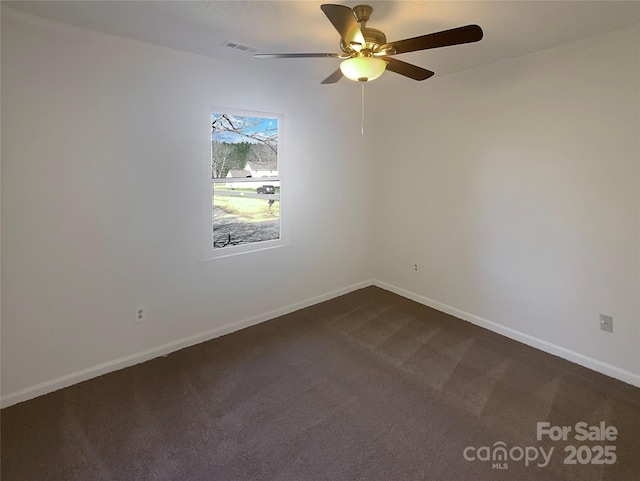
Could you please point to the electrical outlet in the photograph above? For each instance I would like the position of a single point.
(416, 268)
(141, 314)
(606, 323)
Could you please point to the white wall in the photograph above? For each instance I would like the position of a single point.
(525, 214)
(516, 189)
(101, 201)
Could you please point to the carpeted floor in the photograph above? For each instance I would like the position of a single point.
(367, 386)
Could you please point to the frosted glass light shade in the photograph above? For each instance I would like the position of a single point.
(363, 69)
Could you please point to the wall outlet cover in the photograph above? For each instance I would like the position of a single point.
(606, 323)
(140, 314)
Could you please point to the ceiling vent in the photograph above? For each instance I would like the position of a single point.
(238, 46)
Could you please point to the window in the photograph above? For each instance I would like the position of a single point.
(245, 188)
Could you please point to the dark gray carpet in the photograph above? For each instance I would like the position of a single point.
(368, 386)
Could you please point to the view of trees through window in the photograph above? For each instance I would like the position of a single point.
(245, 181)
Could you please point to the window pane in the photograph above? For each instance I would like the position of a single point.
(246, 186)
(246, 214)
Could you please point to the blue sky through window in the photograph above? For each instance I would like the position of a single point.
(238, 128)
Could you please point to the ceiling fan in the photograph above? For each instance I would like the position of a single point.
(365, 51)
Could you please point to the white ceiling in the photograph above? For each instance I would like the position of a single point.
(511, 28)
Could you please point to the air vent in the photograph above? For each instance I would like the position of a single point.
(238, 46)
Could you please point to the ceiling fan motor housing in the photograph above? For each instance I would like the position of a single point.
(374, 40)
(374, 37)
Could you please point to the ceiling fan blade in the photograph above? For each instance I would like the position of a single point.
(345, 23)
(297, 55)
(455, 36)
(407, 69)
(333, 78)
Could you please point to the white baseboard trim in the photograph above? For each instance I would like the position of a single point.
(575, 357)
(121, 363)
(106, 367)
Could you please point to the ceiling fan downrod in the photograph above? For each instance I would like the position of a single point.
(362, 14)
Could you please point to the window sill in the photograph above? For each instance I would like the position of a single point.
(237, 255)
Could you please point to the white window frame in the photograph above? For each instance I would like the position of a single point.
(245, 250)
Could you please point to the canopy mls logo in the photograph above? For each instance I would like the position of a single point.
(500, 454)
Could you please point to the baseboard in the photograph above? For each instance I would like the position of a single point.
(104, 368)
(569, 355)
(121, 363)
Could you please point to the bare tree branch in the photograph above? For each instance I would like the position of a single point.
(242, 126)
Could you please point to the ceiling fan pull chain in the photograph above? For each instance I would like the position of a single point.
(362, 116)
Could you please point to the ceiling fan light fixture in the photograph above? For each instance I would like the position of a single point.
(363, 69)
